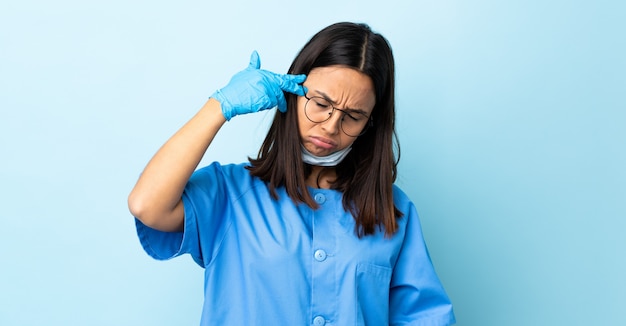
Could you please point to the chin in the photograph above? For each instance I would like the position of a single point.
(319, 151)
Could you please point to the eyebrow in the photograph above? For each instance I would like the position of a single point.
(326, 97)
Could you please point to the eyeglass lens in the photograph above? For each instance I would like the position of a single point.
(318, 109)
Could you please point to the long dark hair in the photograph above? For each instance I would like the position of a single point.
(367, 174)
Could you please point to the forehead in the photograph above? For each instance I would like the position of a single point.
(343, 85)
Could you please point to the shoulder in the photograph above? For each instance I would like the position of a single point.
(233, 179)
(405, 205)
(401, 199)
(230, 171)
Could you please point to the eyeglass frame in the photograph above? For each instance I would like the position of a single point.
(368, 124)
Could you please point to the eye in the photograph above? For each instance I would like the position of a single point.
(352, 117)
(321, 103)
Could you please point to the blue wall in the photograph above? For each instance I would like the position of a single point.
(511, 121)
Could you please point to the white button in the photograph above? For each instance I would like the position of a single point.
(320, 198)
(320, 255)
(319, 321)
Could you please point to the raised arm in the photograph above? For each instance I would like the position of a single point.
(156, 199)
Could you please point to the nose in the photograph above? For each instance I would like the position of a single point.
(333, 124)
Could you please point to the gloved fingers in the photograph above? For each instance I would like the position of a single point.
(296, 78)
(281, 102)
(292, 83)
(255, 61)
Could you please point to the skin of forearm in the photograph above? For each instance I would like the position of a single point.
(156, 198)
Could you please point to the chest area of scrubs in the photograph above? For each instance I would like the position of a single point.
(307, 261)
(274, 231)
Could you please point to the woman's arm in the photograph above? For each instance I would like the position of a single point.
(156, 198)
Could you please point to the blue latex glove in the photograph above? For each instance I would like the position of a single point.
(254, 90)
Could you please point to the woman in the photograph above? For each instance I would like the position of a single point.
(312, 231)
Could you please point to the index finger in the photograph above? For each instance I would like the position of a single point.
(292, 83)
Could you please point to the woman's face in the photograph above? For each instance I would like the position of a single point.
(346, 89)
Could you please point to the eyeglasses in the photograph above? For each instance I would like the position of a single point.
(353, 123)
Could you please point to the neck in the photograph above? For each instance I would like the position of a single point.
(321, 177)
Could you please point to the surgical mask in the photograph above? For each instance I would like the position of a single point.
(329, 160)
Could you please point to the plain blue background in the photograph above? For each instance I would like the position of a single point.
(511, 119)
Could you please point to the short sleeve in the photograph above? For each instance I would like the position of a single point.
(417, 296)
(206, 204)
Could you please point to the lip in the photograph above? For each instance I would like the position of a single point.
(322, 142)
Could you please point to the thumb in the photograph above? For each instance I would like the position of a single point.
(255, 61)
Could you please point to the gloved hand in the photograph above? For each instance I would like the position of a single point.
(254, 90)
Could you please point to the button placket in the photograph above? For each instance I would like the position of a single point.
(323, 248)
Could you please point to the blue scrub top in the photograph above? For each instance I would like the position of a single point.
(273, 262)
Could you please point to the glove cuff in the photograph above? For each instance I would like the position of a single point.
(224, 105)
